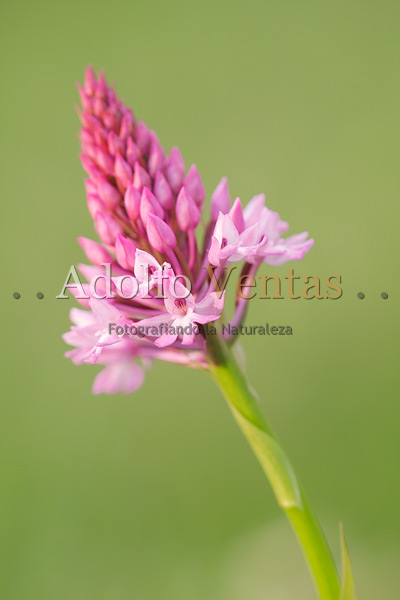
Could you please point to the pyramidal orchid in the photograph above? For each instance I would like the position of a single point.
(162, 246)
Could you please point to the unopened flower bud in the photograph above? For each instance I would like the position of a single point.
(112, 119)
(132, 152)
(149, 204)
(142, 137)
(127, 126)
(125, 251)
(90, 81)
(163, 191)
(105, 161)
(86, 101)
(160, 235)
(107, 228)
(108, 193)
(132, 202)
(123, 171)
(175, 169)
(141, 178)
(187, 212)
(115, 144)
(95, 251)
(194, 185)
(95, 204)
(156, 156)
(90, 186)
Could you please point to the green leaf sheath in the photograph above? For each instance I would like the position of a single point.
(288, 491)
(347, 591)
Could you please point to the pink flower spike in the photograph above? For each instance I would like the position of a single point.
(138, 197)
(163, 191)
(175, 169)
(141, 178)
(187, 212)
(107, 228)
(194, 185)
(123, 171)
(132, 202)
(125, 251)
(108, 193)
(160, 235)
(149, 204)
(95, 252)
(221, 199)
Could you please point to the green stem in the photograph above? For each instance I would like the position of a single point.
(288, 491)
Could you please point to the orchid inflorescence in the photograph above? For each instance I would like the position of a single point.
(147, 210)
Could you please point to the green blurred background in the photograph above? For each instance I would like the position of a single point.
(157, 495)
